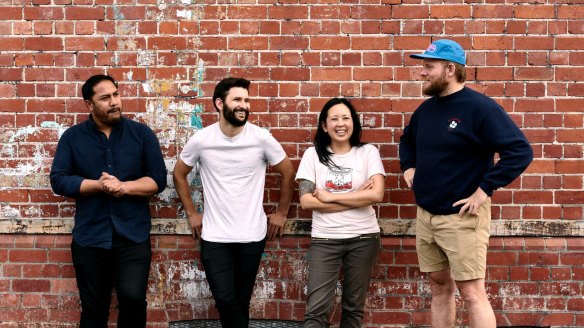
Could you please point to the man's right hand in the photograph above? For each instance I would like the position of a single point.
(196, 223)
(409, 176)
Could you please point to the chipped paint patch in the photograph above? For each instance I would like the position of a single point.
(200, 74)
(29, 167)
(370, 121)
(186, 14)
(54, 125)
(146, 58)
(23, 132)
(127, 44)
(9, 212)
(7, 151)
(192, 281)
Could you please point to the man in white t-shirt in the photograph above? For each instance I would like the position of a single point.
(232, 156)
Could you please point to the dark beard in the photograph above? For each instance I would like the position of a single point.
(229, 115)
(436, 87)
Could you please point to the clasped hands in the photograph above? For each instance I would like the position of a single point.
(111, 185)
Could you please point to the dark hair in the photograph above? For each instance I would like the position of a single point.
(222, 88)
(322, 140)
(87, 88)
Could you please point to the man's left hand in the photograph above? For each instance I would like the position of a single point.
(276, 223)
(472, 203)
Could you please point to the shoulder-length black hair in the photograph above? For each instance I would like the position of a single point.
(322, 140)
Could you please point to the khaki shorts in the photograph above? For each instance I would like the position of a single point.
(449, 241)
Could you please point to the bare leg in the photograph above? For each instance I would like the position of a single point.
(477, 303)
(443, 306)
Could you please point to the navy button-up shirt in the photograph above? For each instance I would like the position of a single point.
(131, 152)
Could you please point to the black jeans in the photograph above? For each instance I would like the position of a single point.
(126, 267)
(231, 270)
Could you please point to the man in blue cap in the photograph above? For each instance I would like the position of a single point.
(447, 156)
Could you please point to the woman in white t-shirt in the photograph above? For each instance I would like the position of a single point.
(340, 178)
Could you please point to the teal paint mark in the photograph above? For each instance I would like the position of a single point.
(200, 71)
(196, 117)
(117, 14)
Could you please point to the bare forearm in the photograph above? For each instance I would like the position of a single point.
(286, 192)
(90, 187)
(309, 202)
(143, 187)
(358, 198)
(184, 194)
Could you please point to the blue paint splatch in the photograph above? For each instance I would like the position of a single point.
(196, 117)
(117, 14)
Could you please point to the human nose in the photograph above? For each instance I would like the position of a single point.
(114, 101)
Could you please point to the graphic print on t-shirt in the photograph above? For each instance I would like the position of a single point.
(339, 179)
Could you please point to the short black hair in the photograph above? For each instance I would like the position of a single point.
(87, 88)
(222, 88)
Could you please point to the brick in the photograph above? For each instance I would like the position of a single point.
(364, 12)
(43, 13)
(369, 43)
(288, 43)
(137, 13)
(571, 12)
(450, 11)
(558, 319)
(535, 12)
(84, 13)
(493, 11)
(43, 74)
(410, 12)
(329, 43)
(84, 43)
(287, 12)
(13, 196)
(46, 105)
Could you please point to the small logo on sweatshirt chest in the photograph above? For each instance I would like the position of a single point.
(453, 123)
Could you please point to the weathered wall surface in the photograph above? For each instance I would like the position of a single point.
(168, 55)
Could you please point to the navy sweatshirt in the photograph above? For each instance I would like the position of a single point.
(451, 142)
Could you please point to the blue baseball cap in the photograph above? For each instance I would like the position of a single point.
(445, 50)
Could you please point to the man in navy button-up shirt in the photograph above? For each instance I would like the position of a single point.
(111, 166)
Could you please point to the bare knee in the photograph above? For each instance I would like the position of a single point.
(473, 292)
(442, 284)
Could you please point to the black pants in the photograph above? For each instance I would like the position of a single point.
(231, 269)
(126, 267)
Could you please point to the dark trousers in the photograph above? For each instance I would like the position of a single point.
(126, 267)
(231, 270)
(357, 257)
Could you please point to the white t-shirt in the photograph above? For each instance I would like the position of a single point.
(233, 172)
(358, 165)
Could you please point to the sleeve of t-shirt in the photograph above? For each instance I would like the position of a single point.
(273, 150)
(374, 163)
(190, 153)
(307, 168)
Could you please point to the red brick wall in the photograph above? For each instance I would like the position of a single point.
(168, 55)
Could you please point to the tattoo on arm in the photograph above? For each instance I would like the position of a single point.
(306, 187)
